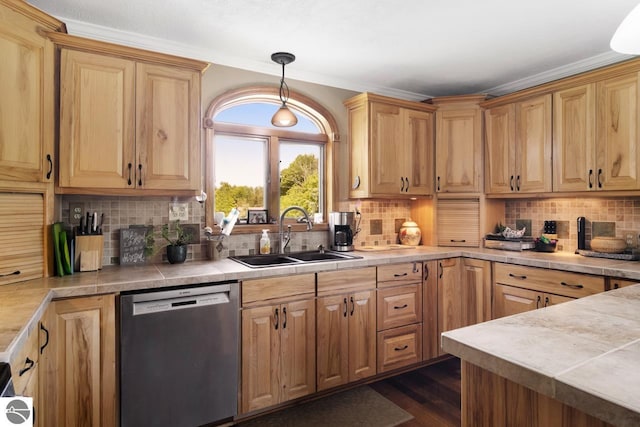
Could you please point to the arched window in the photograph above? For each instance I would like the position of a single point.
(257, 167)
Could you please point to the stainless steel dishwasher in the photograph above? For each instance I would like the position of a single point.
(179, 356)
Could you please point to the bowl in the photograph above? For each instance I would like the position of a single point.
(608, 245)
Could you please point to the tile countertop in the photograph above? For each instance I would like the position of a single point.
(22, 304)
(584, 353)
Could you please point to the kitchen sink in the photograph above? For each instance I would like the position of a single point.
(272, 260)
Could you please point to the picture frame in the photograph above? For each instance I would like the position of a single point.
(257, 216)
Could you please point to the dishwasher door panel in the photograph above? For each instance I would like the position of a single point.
(179, 365)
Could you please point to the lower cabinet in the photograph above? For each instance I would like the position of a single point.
(615, 283)
(517, 288)
(464, 293)
(346, 326)
(25, 366)
(278, 353)
(78, 363)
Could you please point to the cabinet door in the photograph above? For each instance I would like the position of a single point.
(298, 348)
(574, 118)
(419, 132)
(27, 101)
(333, 341)
(458, 150)
(82, 347)
(362, 335)
(476, 277)
(359, 160)
(97, 138)
(167, 128)
(508, 300)
(387, 149)
(430, 336)
(500, 123)
(617, 153)
(533, 145)
(451, 313)
(260, 358)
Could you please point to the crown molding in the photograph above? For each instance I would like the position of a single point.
(141, 41)
(574, 68)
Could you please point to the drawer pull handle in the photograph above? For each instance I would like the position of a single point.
(284, 314)
(407, 188)
(538, 302)
(400, 275)
(402, 187)
(10, 274)
(517, 277)
(546, 301)
(129, 180)
(46, 340)
(415, 268)
(568, 285)
(438, 188)
(140, 175)
(458, 241)
(50, 166)
(28, 365)
(511, 183)
(590, 178)
(277, 319)
(396, 307)
(404, 347)
(353, 306)
(426, 272)
(345, 307)
(441, 270)
(599, 178)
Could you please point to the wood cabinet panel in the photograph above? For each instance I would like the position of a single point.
(387, 151)
(24, 365)
(97, 127)
(332, 282)
(419, 156)
(617, 140)
(397, 274)
(333, 341)
(399, 347)
(362, 335)
(257, 291)
(615, 283)
(82, 350)
(476, 275)
(451, 313)
(508, 300)
(399, 306)
(574, 127)
(533, 145)
(430, 335)
(298, 345)
(27, 102)
(500, 123)
(167, 127)
(458, 222)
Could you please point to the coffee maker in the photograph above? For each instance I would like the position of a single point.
(341, 231)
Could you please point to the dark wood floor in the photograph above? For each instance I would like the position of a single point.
(431, 394)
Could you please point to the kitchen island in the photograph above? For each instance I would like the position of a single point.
(572, 364)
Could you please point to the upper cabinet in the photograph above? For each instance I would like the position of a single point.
(459, 149)
(129, 119)
(27, 88)
(596, 136)
(519, 146)
(391, 147)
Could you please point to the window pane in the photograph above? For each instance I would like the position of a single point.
(259, 114)
(300, 177)
(240, 173)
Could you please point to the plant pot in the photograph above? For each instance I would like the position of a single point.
(176, 254)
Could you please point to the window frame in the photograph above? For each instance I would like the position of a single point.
(328, 135)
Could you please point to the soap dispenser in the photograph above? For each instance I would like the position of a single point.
(265, 243)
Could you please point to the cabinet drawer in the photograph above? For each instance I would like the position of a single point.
(23, 364)
(615, 283)
(399, 347)
(574, 285)
(333, 282)
(393, 275)
(278, 288)
(399, 306)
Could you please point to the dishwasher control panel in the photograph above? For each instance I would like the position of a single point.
(156, 306)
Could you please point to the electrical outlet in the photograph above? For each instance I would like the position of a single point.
(76, 212)
(178, 211)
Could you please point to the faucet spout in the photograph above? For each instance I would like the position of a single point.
(284, 239)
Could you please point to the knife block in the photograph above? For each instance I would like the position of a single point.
(88, 255)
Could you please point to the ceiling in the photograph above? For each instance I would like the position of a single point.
(411, 49)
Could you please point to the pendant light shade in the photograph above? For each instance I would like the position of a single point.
(627, 37)
(283, 117)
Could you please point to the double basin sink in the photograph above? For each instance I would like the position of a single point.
(272, 260)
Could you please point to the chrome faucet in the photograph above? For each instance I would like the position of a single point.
(285, 238)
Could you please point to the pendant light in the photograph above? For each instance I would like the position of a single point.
(626, 39)
(283, 117)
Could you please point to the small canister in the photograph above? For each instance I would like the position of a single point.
(410, 233)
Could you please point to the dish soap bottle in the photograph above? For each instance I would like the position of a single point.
(265, 243)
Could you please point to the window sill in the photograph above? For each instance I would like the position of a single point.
(273, 228)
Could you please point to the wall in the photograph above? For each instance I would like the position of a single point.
(380, 220)
(612, 216)
(121, 212)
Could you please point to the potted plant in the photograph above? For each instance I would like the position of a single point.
(177, 238)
